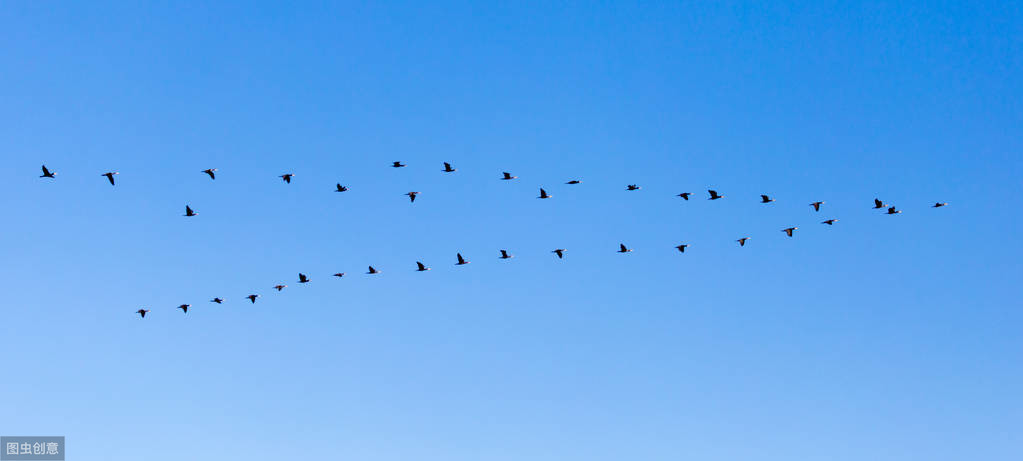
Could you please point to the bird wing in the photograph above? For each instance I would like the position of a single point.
(622, 246)
(878, 203)
(45, 171)
(421, 266)
(110, 178)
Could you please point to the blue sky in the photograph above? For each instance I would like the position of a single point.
(882, 337)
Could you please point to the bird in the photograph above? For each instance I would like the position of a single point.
(280, 287)
(287, 177)
(217, 300)
(189, 212)
(252, 298)
(142, 312)
(623, 249)
(505, 255)
(412, 196)
(543, 194)
(685, 195)
(302, 278)
(508, 176)
(830, 222)
(340, 188)
(372, 270)
(397, 164)
(742, 241)
(892, 210)
(816, 206)
(461, 260)
(184, 308)
(682, 248)
(765, 199)
(110, 176)
(574, 181)
(422, 267)
(714, 194)
(878, 203)
(448, 169)
(47, 173)
(788, 230)
(210, 171)
(339, 274)
(939, 204)
(560, 252)
(632, 187)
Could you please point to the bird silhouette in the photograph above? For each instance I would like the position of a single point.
(560, 252)
(878, 204)
(765, 199)
(252, 298)
(508, 176)
(372, 270)
(421, 267)
(302, 278)
(816, 206)
(217, 300)
(448, 169)
(685, 195)
(110, 176)
(461, 260)
(287, 177)
(632, 187)
(892, 210)
(339, 274)
(184, 308)
(412, 196)
(210, 171)
(574, 181)
(47, 173)
(505, 255)
(280, 287)
(189, 212)
(543, 194)
(340, 188)
(714, 194)
(742, 241)
(682, 248)
(939, 204)
(789, 230)
(142, 312)
(397, 164)
(623, 249)
(830, 222)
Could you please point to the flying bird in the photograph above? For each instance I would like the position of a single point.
(623, 249)
(110, 176)
(287, 177)
(448, 169)
(685, 195)
(421, 267)
(280, 287)
(372, 270)
(217, 300)
(714, 194)
(789, 230)
(142, 312)
(830, 222)
(508, 176)
(543, 194)
(939, 204)
(189, 212)
(560, 252)
(397, 164)
(574, 181)
(742, 241)
(505, 255)
(302, 278)
(682, 248)
(632, 187)
(816, 206)
(339, 274)
(892, 210)
(765, 199)
(47, 173)
(461, 260)
(210, 171)
(412, 196)
(184, 308)
(340, 188)
(878, 204)
(252, 298)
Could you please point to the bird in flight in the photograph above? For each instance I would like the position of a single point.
(560, 252)
(421, 267)
(892, 210)
(632, 187)
(339, 274)
(280, 287)
(816, 206)
(340, 188)
(508, 176)
(372, 270)
(110, 176)
(217, 300)
(47, 173)
(574, 181)
(142, 312)
(412, 196)
(461, 260)
(878, 204)
(287, 177)
(789, 230)
(682, 248)
(765, 199)
(448, 169)
(184, 308)
(210, 171)
(543, 194)
(302, 278)
(685, 195)
(714, 194)
(189, 212)
(623, 249)
(830, 222)
(742, 241)
(252, 298)
(939, 204)
(397, 164)
(505, 255)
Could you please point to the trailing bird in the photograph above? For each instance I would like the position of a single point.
(742, 241)
(142, 312)
(421, 267)
(543, 194)
(682, 248)
(560, 252)
(632, 187)
(252, 298)
(280, 287)
(939, 204)
(210, 171)
(110, 176)
(574, 181)
(397, 164)
(461, 260)
(816, 206)
(217, 300)
(184, 308)
(412, 196)
(372, 270)
(765, 199)
(788, 230)
(892, 210)
(830, 222)
(302, 278)
(714, 194)
(287, 177)
(508, 176)
(623, 249)
(339, 274)
(189, 212)
(505, 255)
(685, 195)
(878, 203)
(47, 173)
(340, 188)
(448, 169)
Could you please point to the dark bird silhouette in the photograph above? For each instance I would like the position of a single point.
(189, 212)
(508, 176)
(939, 204)
(339, 274)
(742, 241)
(372, 270)
(397, 164)
(287, 177)
(830, 222)
(461, 260)
(574, 181)
(47, 173)
(505, 255)
(878, 204)
(280, 287)
(184, 308)
(110, 176)
(252, 298)
(685, 195)
(302, 278)
(142, 312)
(632, 187)
(560, 252)
(412, 196)
(714, 194)
(340, 188)
(892, 210)
(421, 267)
(789, 230)
(543, 194)
(623, 249)
(682, 248)
(448, 169)
(210, 171)
(765, 199)
(217, 300)
(816, 206)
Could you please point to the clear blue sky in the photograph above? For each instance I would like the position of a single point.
(880, 338)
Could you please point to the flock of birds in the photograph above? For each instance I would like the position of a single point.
(461, 260)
